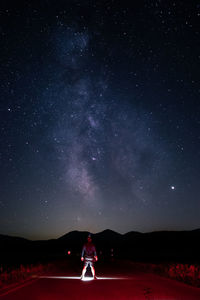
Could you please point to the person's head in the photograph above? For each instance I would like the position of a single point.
(89, 238)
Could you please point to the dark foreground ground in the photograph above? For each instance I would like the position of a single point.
(116, 280)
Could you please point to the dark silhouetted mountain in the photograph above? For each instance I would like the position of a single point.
(108, 236)
(132, 234)
(8, 243)
(73, 236)
(153, 246)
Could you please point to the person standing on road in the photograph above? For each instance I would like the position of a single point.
(89, 256)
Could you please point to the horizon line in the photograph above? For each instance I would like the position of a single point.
(98, 232)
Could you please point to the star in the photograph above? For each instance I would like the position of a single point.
(98, 135)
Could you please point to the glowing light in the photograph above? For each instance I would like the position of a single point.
(111, 278)
(172, 187)
(69, 252)
(60, 277)
(84, 279)
(87, 278)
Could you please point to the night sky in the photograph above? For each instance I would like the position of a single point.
(99, 116)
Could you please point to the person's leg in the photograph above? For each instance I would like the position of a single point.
(92, 269)
(83, 271)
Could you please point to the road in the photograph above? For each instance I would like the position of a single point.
(116, 281)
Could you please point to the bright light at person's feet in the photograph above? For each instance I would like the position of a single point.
(87, 278)
(84, 278)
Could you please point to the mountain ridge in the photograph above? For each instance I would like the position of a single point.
(105, 231)
(178, 246)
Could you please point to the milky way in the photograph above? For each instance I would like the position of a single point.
(106, 148)
(99, 118)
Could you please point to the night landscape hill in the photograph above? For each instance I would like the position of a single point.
(159, 246)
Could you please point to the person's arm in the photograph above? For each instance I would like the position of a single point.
(82, 254)
(95, 254)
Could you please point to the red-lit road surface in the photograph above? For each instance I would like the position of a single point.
(127, 283)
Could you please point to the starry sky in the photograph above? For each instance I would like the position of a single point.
(99, 116)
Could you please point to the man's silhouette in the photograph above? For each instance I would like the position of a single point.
(89, 256)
